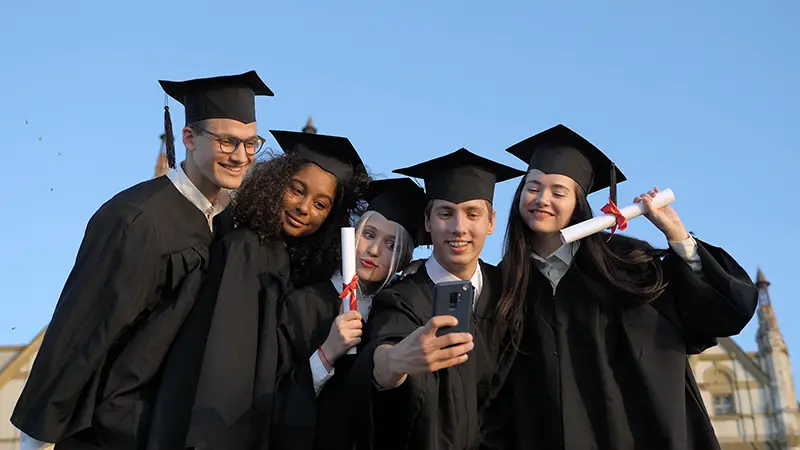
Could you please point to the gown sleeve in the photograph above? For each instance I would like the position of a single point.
(113, 281)
(718, 301)
(304, 321)
(391, 319)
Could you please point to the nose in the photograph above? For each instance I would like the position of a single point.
(303, 206)
(542, 198)
(239, 155)
(459, 223)
(374, 249)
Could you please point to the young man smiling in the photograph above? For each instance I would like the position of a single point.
(432, 389)
(136, 278)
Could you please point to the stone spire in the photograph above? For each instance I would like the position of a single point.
(766, 315)
(309, 128)
(162, 167)
(773, 356)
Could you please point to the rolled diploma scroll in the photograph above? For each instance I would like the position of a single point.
(600, 223)
(348, 267)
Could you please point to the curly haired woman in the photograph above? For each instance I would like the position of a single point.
(218, 383)
(313, 388)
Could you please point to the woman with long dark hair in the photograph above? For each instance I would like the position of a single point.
(603, 326)
(219, 382)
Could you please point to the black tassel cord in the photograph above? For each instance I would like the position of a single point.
(612, 195)
(169, 139)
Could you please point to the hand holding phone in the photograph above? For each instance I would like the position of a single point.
(454, 298)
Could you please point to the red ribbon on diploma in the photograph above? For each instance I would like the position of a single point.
(621, 223)
(350, 289)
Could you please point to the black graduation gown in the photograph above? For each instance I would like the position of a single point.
(134, 281)
(437, 411)
(302, 419)
(218, 382)
(306, 420)
(596, 375)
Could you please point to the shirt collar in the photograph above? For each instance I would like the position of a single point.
(185, 186)
(565, 254)
(439, 274)
(338, 282)
(364, 302)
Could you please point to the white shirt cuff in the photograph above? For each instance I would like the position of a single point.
(319, 373)
(687, 250)
(28, 443)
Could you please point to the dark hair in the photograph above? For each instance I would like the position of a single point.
(630, 266)
(257, 206)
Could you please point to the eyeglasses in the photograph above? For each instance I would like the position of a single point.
(229, 144)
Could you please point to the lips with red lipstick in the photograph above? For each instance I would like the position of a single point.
(368, 263)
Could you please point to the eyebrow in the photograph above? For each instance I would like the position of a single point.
(479, 209)
(228, 135)
(555, 186)
(299, 181)
(305, 187)
(444, 208)
(326, 197)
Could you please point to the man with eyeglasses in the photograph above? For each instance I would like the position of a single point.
(136, 277)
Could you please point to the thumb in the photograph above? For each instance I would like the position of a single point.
(440, 321)
(353, 315)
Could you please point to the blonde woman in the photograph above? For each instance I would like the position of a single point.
(310, 401)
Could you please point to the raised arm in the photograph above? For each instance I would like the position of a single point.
(711, 296)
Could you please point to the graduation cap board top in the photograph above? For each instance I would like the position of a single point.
(400, 200)
(221, 97)
(460, 176)
(559, 150)
(334, 154)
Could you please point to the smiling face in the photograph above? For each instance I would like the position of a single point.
(307, 201)
(215, 168)
(547, 201)
(375, 247)
(458, 231)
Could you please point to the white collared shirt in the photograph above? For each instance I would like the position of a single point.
(439, 274)
(555, 266)
(28, 443)
(185, 186)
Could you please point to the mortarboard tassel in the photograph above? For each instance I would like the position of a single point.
(611, 207)
(612, 194)
(169, 138)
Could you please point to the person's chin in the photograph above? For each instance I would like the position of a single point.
(227, 181)
(291, 231)
(461, 259)
(370, 277)
(538, 227)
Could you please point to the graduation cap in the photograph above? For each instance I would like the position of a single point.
(562, 151)
(400, 200)
(460, 176)
(223, 97)
(334, 154)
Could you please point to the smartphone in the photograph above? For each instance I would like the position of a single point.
(454, 298)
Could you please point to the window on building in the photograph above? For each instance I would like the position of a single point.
(723, 405)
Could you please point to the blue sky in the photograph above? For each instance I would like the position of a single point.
(700, 97)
